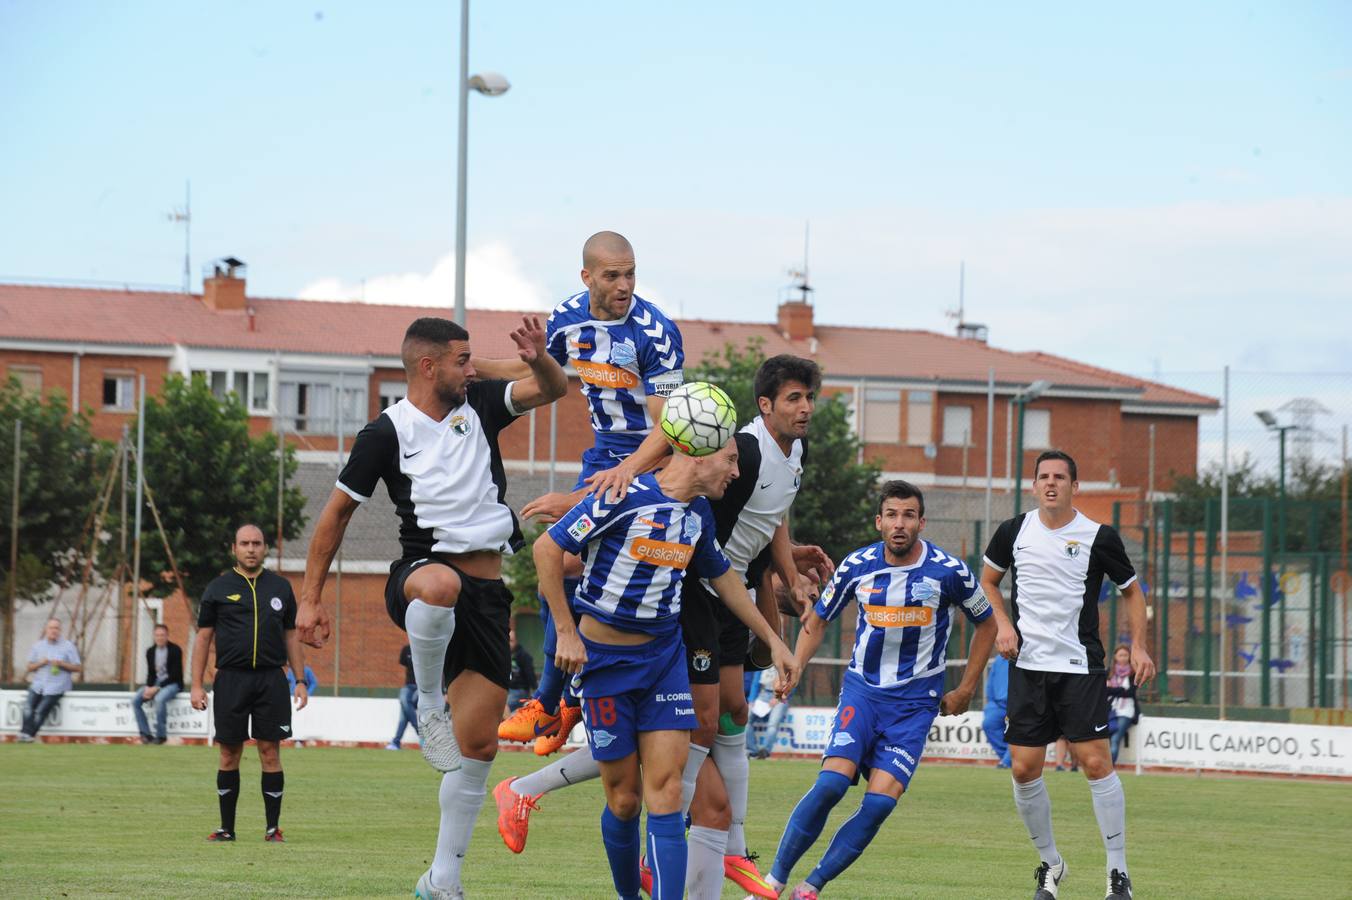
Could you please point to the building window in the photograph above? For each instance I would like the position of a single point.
(119, 391)
(957, 426)
(250, 387)
(919, 418)
(882, 416)
(391, 392)
(1037, 429)
(29, 377)
(309, 405)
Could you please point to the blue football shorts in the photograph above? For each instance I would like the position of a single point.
(876, 732)
(628, 689)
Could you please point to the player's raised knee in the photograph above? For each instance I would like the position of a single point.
(435, 586)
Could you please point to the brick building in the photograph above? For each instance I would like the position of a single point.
(321, 369)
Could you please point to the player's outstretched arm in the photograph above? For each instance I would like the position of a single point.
(549, 508)
(1006, 638)
(613, 482)
(570, 654)
(312, 621)
(809, 638)
(506, 369)
(1142, 666)
(956, 701)
(734, 595)
(544, 380)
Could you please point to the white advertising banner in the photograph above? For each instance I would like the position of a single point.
(102, 714)
(1206, 744)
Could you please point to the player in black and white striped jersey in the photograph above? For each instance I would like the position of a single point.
(437, 452)
(1058, 558)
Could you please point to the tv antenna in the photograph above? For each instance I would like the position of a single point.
(183, 215)
(800, 282)
(970, 331)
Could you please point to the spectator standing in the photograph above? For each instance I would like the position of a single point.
(164, 679)
(769, 709)
(51, 662)
(311, 686)
(408, 700)
(522, 682)
(997, 706)
(1123, 710)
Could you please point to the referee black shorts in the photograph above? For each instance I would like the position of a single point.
(260, 695)
(483, 615)
(1043, 706)
(699, 631)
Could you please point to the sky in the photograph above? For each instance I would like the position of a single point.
(1157, 188)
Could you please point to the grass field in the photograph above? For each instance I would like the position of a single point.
(123, 820)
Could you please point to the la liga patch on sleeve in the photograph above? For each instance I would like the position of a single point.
(581, 528)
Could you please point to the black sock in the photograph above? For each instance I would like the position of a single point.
(227, 786)
(272, 797)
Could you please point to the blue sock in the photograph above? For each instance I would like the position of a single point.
(807, 820)
(620, 837)
(852, 838)
(667, 855)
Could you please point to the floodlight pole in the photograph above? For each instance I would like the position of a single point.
(462, 166)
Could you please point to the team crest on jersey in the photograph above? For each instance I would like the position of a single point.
(1072, 549)
(702, 660)
(460, 425)
(624, 353)
(277, 603)
(797, 479)
(924, 591)
(690, 529)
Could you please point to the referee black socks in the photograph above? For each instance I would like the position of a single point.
(272, 796)
(227, 789)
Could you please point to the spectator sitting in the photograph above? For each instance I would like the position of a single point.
(1123, 710)
(521, 684)
(408, 700)
(52, 660)
(997, 706)
(312, 685)
(164, 679)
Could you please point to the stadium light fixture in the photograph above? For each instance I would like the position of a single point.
(1266, 418)
(1023, 398)
(490, 84)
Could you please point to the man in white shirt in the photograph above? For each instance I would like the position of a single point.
(51, 662)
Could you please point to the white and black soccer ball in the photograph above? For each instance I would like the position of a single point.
(698, 419)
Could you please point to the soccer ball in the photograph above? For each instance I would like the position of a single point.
(698, 419)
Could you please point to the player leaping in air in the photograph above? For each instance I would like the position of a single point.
(908, 592)
(628, 356)
(628, 651)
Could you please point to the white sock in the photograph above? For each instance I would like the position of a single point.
(461, 796)
(571, 768)
(704, 862)
(729, 754)
(1110, 808)
(429, 634)
(1035, 808)
(691, 774)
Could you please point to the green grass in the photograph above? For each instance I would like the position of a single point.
(122, 820)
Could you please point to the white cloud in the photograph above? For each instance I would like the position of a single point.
(494, 279)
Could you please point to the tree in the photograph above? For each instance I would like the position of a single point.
(1312, 501)
(209, 476)
(835, 504)
(518, 570)
(62, 467)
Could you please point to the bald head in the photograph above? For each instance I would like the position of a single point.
(605, 246)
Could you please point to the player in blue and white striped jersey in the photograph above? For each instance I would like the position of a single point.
(628, 356)
(908, 592)
(628, 652)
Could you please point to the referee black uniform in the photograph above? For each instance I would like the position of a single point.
(251, 698)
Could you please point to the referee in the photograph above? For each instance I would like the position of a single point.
(1058, 558)
(251, 614)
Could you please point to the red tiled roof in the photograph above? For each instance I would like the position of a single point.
(94, 316)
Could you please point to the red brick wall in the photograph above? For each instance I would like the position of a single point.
(58, 372)
(1175, 449)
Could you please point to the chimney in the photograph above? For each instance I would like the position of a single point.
(795, 320)
(223, 288)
